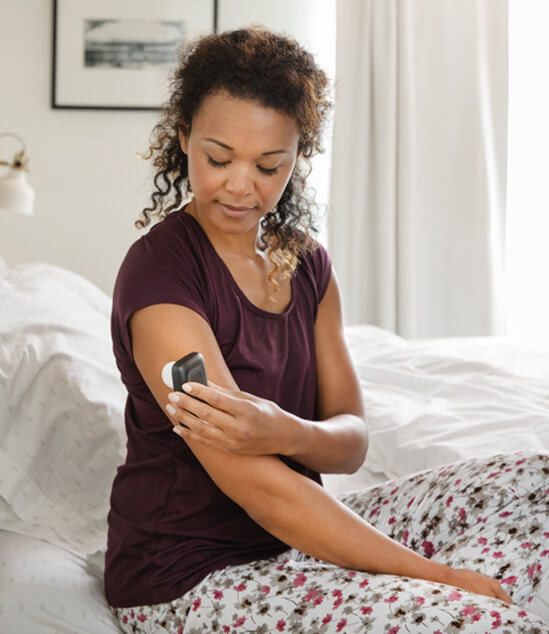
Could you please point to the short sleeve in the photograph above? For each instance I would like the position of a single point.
(159, 268)
(321, 265)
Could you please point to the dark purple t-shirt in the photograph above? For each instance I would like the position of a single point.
(169, 524)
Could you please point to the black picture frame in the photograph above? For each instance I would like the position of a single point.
(98, 60)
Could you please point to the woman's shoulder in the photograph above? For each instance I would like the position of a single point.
(315, 265)
(169, 253)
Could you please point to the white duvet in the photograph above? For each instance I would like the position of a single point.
(434, 402)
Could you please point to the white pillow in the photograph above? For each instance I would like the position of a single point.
(61, 407)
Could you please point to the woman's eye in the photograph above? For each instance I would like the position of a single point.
(263, 170)
(217, 163)
(267, 170)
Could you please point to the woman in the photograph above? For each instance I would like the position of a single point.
(224, 525)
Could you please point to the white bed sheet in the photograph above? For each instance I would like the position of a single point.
(45, 589)
(433, 402)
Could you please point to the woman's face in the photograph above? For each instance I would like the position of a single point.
(240, 158)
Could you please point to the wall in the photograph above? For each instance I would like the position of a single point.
(89, 184)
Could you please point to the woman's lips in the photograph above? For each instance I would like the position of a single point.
(235, 211)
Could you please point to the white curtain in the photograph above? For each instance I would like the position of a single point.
(416, 225)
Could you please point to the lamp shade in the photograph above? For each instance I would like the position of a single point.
(16, 194)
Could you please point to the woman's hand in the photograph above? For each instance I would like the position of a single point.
(477, 582)
(229, 420)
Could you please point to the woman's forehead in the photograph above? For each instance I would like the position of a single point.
(229, 119)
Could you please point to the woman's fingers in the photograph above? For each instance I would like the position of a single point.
(501, 594)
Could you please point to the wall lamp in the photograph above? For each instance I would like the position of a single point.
(16, 193)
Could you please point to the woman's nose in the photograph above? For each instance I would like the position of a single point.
(239, 180)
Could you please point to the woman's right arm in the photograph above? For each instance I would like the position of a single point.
(287, 504)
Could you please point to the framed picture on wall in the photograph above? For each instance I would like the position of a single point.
(116, 54)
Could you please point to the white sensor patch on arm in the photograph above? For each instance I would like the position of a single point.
(167, 374)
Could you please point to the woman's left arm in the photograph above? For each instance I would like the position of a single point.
(338, 442)
(242, 423)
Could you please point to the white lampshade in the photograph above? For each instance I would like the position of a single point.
(16, 193)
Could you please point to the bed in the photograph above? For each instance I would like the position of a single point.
(429, 403)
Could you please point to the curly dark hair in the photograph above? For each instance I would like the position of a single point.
(257, 64)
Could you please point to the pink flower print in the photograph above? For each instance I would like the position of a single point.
(457, 482)
(462, 514)
(337, 592)
(509, 580)
(281, 625)
(311, 595)
(351, 573)
(506, 513)
(494, 475)
(385, 502)
(485, 550)
(546, 534)
(300, 579)
(482, 541)
(196, 604)
(498, 555)
(341, 625)
(522, 461)
(394, 629)
(455, 595)
(326, 619)
(497, 619)
(226, 629)
(337, 603)
(544, 553)
(420, 600)
(526, 545)
(374, 511)
(410, 503)
(392, 520)
(239, 622)
(265, 589)
(179, 630)
(218, 594)
(531, 570)
(449, 501)
(363, 583)
(366, 610)
(523, 613)
(125, 619)
(240, 587)
(394, 491)
(391, 599)
(141, 617)
(482, 520)
(470, 609)
(508, 469)
(132, 614)
(405, 536)
(428, 548)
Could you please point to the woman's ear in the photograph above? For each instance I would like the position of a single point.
(183, 134)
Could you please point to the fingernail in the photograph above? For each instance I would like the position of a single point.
(171, 409)
(176, 431)
(187, 387)
(174, 397)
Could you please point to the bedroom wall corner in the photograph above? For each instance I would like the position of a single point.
(89, 184)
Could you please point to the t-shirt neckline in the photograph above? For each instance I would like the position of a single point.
(237, 288)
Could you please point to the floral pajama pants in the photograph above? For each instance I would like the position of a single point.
(489, 514)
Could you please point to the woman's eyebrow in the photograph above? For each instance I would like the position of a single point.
(228, 147)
